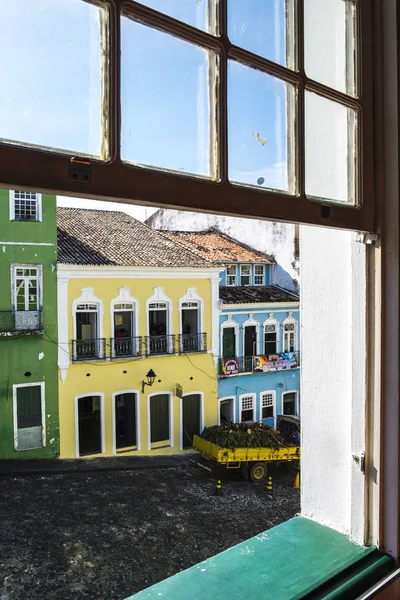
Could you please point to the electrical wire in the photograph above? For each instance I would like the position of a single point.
(199, 369)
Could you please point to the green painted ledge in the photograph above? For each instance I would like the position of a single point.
(297, 559)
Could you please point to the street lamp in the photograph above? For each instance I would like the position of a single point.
(150, 379)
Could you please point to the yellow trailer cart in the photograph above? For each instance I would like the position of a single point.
(252, 461)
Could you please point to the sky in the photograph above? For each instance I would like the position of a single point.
(52, 87)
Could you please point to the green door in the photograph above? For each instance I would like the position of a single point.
(228, 342)
(159, 418)
(191, 406)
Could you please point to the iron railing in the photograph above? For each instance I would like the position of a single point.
(89, 349)
(21, 321)
(160, 344)
(259, 364)
(129, 346)
(192, 343)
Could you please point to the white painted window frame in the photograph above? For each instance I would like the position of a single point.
(251, 322)
(14, 278)
(271, 321)
(201, 394)
(235, 275)
(290, 320)
(15, 388)
(192, 296)
(246, 266)
(226, 324)
(114, 425)
(38, 207)
(171, 418)
(124, 297)
(88, 297)
(296, 401)
(241, 398)
(233, 399)
(273, 393)
(102, 421)
(262, 266)
(159, 296)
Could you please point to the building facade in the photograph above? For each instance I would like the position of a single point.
(258, 354)
(29, 424)
(138, 332)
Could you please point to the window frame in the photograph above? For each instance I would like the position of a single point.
(102, 422)
(262, 266)
(296, 401)
(110, 178)
(273, 394)
(15, 388)
(39, 279)
(271, 321)
(290, 320)
(246, 266)
(114, 424)
(234, 276)
(244, 397)
(12, 200)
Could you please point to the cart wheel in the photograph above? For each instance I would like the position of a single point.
(258, 471)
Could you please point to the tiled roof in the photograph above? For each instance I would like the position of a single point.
(100, 237)
(255, 295)
(218, 247)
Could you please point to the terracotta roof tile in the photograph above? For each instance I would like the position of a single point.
(216, 246)
(100, 237)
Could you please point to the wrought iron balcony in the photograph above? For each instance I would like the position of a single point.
(21, 321)
(259, 364)
(192, 343)
(89, 349)
(127, 346)
(160, 344)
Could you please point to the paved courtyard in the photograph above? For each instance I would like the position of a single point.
(107, 535)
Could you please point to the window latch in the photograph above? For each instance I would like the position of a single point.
(359, 459)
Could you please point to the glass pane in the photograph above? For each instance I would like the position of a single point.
(165, 101)
(330, 150)
(198, 13)
(51, 74)
(261, 129)
(329, 43)
(264, 27)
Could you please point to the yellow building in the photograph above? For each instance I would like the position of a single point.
(138, 337)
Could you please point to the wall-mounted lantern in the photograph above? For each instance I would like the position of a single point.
(150, 379)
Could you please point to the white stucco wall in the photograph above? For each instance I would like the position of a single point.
(332, 378)
(273, 238)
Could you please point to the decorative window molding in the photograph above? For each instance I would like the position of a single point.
(29, 437)
(251, 322)
(88, 302)
(290, 334)
(25, 206)
(271, 326)
(268, 402)
(26, 275)
(247, 407)
(124, 299)
(259, 274)
(190, 301)
(226, 324)
(245, 274)
(231, 274)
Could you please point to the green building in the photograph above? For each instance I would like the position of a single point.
(28, 326)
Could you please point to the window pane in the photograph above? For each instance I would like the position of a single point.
(264, 27)
(329, 39)
(51, 74)
(198, 13)
(261, 129)
(165, 119)
(330, 150)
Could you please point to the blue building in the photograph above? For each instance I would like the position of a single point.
(259, 360)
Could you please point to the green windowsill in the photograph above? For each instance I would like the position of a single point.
(297, 559)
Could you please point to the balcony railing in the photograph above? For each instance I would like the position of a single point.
(89, 349)
(21, 321)
(130, 346)
(160, 344)
(259, 364)
(192, 343)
